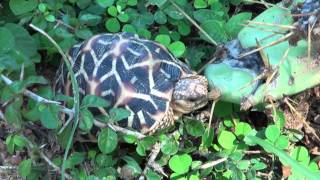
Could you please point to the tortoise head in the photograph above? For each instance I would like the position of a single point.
(190, 93)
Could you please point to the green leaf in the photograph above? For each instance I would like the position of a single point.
(282, 142)
(129, 28)
(49, 116)
(31, 80)
(216, 30)
(272, 133)
(200, 4)
(235, 23)
(118, 114)
(180, 163)
(94, 101)
(301, 154)
(107, 140)
(226, 139)
(144, 33)
(50, 18)
(24, 168)
(145, 144)
(19, 7)
(105, 3)
(163, 39)
(42, 7)
(113, 11)
(177, 48)
(184, 29)
(90, 19)
(159, 3)
(10, 144)
(123, 17)
(25, 45)
(169, 146)
(151, 175)
(160, 17)
(112, 25)
(82, 4)
(279, 118)
(13, 114)
(242, 129)
(172, 12)
(223, 109)
(84, 33)
(76, 158)
(20, 141)
(132, 2)
(195, 128)
(132, 164)
(86, 120)
(243, 164)
(6, 40)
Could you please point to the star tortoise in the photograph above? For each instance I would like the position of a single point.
(137, 74)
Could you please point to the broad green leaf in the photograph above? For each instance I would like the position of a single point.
(195, 128)
(118, 114)
(144, 33)
(279, 118)
(184, 28)
(7, 41)
(226, 139)
(200, 4)
(19, 7)
(112, 25)
(50, 18)
(169, 146)
(49, 116)
(103, 160)
(172, 12)
(25, 44)
(10, 144)
(177, 48)
(132, 164)
(13, 114)
(301, 154)
(272, 133)
(282, 142)
(82, 4)
(105, 3)
(151, 175)
(123, 17)
(113, 11)
(180, 163)
(107, 140)
(216, 30)
(145, 144)
(20, 141)
(203, 15)
(76, 158)
(223, 109)
(31, 80)
(86, 120)
(235, 23)
(128, 28)
(242, 129)
(160, 17)
(132, 2)
(24, 168)
(163, 39)
(83, 33)
(243, 164)
(94, 101)
(90, 19)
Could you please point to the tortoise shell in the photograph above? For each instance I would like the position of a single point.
(129, 72)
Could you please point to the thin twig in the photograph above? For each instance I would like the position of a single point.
(29, 93)
(193, 22)
(211, 163)
(286, 27)
(266, 46)
(265, 4)
(45, 158)
(76, 96)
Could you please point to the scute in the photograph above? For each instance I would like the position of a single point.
(129, 72)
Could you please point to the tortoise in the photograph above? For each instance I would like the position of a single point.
(137, 74)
